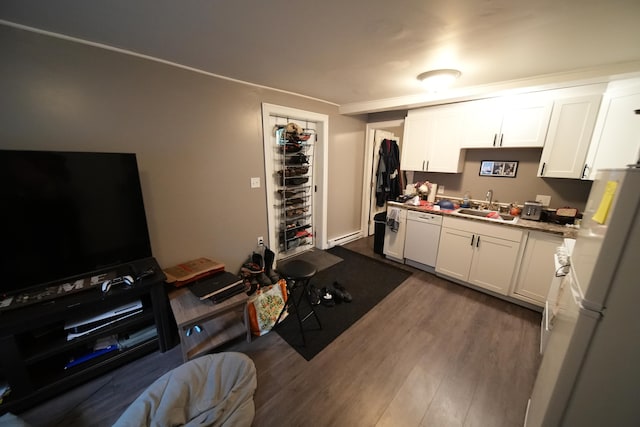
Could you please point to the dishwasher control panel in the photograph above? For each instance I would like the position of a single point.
(424, 217)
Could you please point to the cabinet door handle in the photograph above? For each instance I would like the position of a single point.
(473, 238)
(584, 171)
(495, 136)
(542, 170)
(501, 136)
(427, 166)
(423, 165)
(478, 242)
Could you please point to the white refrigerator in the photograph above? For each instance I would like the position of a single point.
(590, 369)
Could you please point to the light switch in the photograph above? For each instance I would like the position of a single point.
(255, 182)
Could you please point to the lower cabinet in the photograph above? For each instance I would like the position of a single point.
(481, 254)
(536, 268)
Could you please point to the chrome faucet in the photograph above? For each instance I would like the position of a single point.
(489, 198)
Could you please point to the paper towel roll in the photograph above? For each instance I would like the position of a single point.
(432, 193)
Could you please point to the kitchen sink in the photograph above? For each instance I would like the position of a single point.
(487, 215)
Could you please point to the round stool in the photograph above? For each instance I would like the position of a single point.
(298, 275)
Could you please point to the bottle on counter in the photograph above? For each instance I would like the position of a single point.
(465, 200)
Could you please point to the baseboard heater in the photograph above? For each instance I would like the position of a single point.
(345, 239)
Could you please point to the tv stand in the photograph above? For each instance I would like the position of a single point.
(37, 359)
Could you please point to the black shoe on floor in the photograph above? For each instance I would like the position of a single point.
(327, 297)
(315, 295)
(342, 292)
(256, 258)
(252, 285)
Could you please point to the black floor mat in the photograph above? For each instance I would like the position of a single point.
(366, 279)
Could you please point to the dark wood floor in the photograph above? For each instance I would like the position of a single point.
(433, 353)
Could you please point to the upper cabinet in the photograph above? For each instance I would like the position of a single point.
(570, 130)
(519, 121)
(616, 137)
(414, 152)
(580, 129)
(432, 140)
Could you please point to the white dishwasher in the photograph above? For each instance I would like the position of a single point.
(422, 239)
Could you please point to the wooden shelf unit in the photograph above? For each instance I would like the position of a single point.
(219, 322)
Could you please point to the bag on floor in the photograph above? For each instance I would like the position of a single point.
(265, 306)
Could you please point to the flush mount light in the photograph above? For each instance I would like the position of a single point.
(436, 80)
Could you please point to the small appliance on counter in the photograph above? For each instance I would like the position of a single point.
(532, 211)
(561, 216)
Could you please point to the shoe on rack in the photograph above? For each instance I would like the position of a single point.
(342, 292)
(327, 297)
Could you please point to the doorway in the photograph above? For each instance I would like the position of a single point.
(305, 211)
(375, 133)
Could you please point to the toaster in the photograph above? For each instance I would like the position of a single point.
(532, 211)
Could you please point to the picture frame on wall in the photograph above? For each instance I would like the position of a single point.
(500, 168)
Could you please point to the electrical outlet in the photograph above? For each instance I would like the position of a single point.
(255, 182)
(545, 200)
(260, 241)
(440, 189)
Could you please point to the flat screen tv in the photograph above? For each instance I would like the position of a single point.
(67, 214)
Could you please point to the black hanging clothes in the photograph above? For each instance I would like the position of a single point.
(388, 178)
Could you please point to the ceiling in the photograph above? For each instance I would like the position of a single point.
(363, 55)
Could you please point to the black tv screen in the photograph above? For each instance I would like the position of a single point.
(67, 214)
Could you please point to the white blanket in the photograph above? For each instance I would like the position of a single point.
(213, 390)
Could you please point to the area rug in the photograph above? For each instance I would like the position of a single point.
(321, 259)
(367, 280)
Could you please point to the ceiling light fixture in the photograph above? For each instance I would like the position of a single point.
(437, 80)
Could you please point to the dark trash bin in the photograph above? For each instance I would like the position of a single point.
(380, 220)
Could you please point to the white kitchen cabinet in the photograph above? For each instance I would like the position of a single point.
(519, 121)
(482, 123)
(616, 137)
(568, 138)
(394, 240)
(494, 262)
(455, 253)
(415, 149)
(432, 140)
(481, 254)
(536, 267)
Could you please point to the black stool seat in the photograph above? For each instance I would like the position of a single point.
(298, 272)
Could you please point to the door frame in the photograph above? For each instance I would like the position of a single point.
(320, 171)
(367, 192)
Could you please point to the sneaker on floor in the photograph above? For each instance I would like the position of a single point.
(342, 292)
(251, 268)
(315, 295)
(327, 297)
